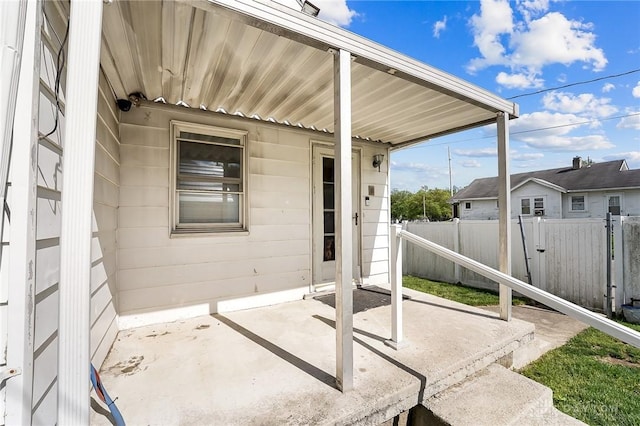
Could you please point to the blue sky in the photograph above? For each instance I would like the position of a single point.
(513, 49)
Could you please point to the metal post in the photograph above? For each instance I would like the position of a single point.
(344, 236)
(504, 223)
(83, 61)
(524, 248)
(609, 254)
(397, 340)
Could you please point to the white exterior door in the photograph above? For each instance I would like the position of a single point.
(324, 216)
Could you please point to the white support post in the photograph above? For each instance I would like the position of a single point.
(397, 340)
(83, 61)
(457, 271)
(504, 223)
(22, 234)
(344, 237)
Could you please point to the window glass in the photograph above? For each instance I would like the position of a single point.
(577, 203)
(209, 179)
(467, 205)
(525, 206)
(328, 207)
(614, 205)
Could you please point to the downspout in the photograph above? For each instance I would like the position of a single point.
(83, 59)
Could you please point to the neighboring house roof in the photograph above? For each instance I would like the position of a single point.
(597, 176)
(259, 59)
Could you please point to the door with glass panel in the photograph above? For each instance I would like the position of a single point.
(324, 216)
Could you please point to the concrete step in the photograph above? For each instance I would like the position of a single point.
(495, 396)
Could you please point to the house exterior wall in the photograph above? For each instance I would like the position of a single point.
(162, 276)
(597, 203)
(552, 199)
(106, 187)
(480, 210)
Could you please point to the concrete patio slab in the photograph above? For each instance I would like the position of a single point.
(276, 365)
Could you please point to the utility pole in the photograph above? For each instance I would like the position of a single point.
(450, 181)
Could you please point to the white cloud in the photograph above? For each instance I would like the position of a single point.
(518, 80)
(529, 44)
(470, 164)
(527, 157)
(568, 143)
(494, 20)
(584, 103)
(632, 157)
(636, 91)
(552, 132)
(555, 39)
(480, 152)
(632, 121)
(608, 87)
(530, 8)
(439, 26)
(333, 11)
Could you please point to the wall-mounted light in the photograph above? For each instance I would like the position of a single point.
(309, 8)
(377, 160)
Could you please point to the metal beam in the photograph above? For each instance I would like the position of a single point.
(598, 321)
(344, 236)
(504, 222)
(83, 62)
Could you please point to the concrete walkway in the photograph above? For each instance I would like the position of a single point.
(553, 329)
(276, 365)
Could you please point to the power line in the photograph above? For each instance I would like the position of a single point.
(579, 123)
(574, 84)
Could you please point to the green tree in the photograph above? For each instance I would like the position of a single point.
(432, 204)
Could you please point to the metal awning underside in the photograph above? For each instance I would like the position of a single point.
(265, 61)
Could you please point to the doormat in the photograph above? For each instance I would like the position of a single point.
(364, 298)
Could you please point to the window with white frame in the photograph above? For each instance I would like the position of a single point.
(467, 205)
(578, 203)
(532, 206)
(209, 178)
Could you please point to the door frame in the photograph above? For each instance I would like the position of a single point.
(315, 284)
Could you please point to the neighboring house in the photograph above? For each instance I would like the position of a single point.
(222, 193)
(584, 190)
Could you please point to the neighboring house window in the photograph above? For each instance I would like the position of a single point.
(538, 206)
(578, 203)
(614, 205)
(467, 205)
(209, 184)
(529, 206)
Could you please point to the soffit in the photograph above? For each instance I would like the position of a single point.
(229, 63)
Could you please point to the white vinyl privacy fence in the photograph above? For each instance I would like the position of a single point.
(567, 257)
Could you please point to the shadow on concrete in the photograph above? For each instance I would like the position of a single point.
(414, 373)
(297, 362)
(452, 308)
(95, 405)
(364, 298)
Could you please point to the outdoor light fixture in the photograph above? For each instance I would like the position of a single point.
(377, 160)
(309, 8)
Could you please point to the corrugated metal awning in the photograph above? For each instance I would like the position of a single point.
(265, 61)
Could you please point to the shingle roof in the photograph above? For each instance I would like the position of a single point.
(610, 174)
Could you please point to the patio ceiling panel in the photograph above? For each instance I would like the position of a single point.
(203, 54)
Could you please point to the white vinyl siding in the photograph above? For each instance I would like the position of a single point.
(158, 271)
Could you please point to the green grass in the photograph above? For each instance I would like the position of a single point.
(456, 292)
(594, 378)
